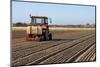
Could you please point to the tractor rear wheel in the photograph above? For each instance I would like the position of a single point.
(50, 36)
(45, 35)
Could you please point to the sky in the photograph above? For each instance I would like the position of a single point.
(59, 13)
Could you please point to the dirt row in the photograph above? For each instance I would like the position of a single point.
(65, 47)
(70, 54)
(88, 55)
(38, 46)
(17, 43)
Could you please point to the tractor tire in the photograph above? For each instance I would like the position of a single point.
(28, 37)
(50, 36)
(42, 38)
(45, 34)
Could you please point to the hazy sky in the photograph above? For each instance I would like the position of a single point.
(60, 14)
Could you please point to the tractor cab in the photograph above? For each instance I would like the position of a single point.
(39, 20)
(39, 28)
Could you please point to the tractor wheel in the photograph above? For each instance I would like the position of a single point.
(45, 35)
(29, 37)
(50, 36)
(41, 38)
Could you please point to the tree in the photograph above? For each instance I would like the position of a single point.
(20, 24)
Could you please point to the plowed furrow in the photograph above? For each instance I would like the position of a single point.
(19, 54)
(90, 55)
(39, 56)
(83, 56)
(93, 58)
(26, 45)
(40, 46)
(68, 54)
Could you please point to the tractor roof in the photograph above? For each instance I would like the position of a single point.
(39, 17)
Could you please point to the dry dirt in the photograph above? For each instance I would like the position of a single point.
(66, 46)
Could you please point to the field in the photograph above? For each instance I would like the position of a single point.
(67, 46)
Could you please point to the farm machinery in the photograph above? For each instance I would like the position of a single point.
(38, 29)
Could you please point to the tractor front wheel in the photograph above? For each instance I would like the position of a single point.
(41, 38)
(29, 36)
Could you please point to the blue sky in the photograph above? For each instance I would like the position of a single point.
(60, 14)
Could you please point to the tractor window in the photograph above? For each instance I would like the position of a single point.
(32, 20)
(38, 21)
(46, 20)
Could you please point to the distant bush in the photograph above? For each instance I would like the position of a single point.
(19, 24)
(75, 26)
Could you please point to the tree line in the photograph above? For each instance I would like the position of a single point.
(20, 24)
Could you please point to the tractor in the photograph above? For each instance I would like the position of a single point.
(38, 29)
